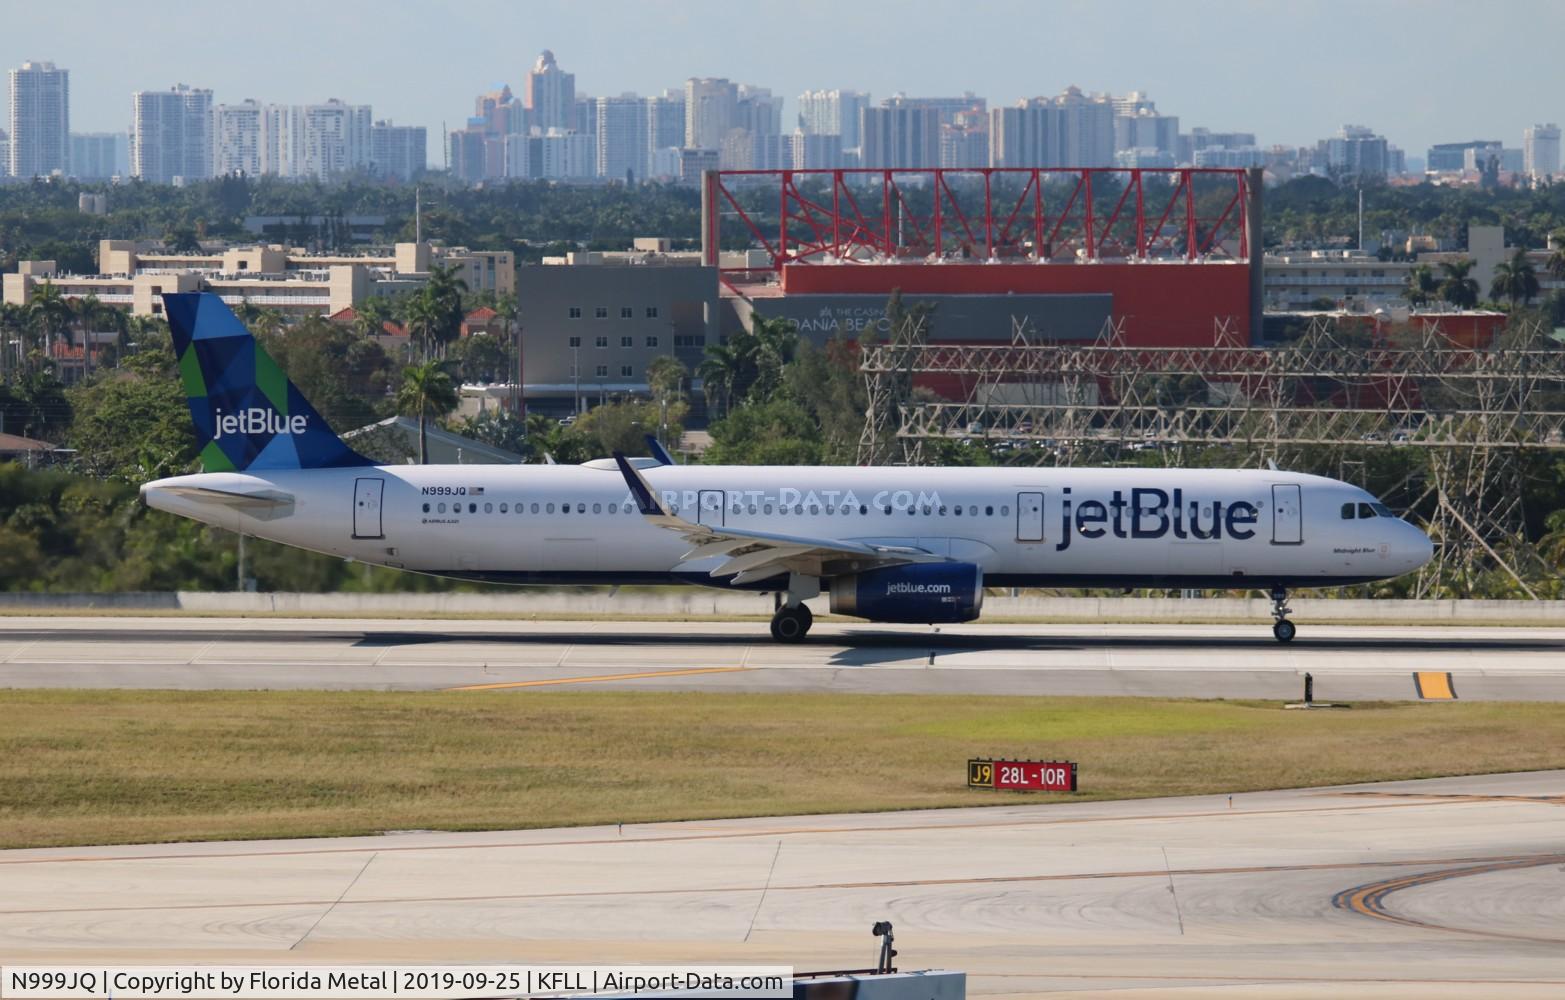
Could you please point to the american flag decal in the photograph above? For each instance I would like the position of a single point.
(475, 491)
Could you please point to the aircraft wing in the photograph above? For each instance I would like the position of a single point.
(759, 555)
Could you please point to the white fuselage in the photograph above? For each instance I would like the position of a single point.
(1024, 527)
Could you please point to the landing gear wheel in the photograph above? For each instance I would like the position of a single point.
(791, 624)
(1283, 630)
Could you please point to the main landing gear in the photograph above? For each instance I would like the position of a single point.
(791, 624)
(792, 620)
(1283, 629)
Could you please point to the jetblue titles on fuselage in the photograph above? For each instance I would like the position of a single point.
(1153, 513)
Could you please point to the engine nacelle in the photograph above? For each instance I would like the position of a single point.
(915, 594)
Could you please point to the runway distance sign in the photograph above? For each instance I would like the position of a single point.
(1022, 775)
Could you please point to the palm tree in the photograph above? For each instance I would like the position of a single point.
(370, 316)
(422, 316)
(443, 291)
(1421, 287)
(719, 373)
(1556, 263)
(49, 312)
(1515, 279)
(1458, 287)
(426, 391)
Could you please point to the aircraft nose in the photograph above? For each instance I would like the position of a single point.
(1414, 546)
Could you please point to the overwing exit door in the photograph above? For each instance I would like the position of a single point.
(366, 507)
(709, 508)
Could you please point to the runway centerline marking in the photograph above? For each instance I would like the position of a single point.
(599, 678)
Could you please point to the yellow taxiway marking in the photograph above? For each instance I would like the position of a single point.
(600, 677)
(1433, 685)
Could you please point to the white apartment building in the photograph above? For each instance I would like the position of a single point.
(622, 143)
(833, 112)
(710, 108)
(171, 134)
(563, 154)
(1541, 151)
(665, 123)
(236, 139)
(336, 139)
(40, 120)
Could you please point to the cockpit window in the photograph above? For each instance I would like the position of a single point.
(1347, 512)
(1383, 510)
(1365, 510)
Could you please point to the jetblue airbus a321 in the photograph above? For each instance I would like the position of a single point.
(910, 545)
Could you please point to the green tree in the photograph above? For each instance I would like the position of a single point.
(1457, 286)
(720, 372)
(1421, 287)
(49, 313)
(132, 424)
(427, 391)
(1556, 263)
(1514, 280)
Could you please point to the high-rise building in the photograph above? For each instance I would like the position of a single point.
(399, 151)
(622, 146)
(501, 112)
(336, 139)
(1355, 151)
(171, 134)
(564, 154)
(710, 108)
(550, 96)
(1027, 135)
(1541, 151)
(1137, 125)
(904, 137)
(833, 112)
(757, 111)
(98, 156)
(816, 151)
(946, 108)
(282, 139)
(665, 127)
(1086, 129)
(1446, 157)
(236, 139)
(40, 120)
(467, 154)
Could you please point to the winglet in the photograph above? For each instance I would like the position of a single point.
(646, 497)
(656, 449)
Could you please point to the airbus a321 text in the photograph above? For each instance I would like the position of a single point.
(910, 545)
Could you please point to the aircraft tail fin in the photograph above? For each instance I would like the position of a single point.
(248, 415)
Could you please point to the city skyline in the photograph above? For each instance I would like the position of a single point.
(1189, 59)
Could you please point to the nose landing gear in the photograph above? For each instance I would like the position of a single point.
(1282, 629)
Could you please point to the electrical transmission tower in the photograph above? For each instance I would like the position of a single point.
(1465, 423)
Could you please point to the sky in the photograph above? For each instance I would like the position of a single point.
(1417, 72)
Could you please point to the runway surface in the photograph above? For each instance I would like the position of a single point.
(1443, 888)
(1205, 661)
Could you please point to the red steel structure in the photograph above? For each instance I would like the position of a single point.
(998, 214)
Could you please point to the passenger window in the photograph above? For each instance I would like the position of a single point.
(752, 508)
(1005, 511)
(535, 509)
(565, 508)
(504, 508)
(488, 508)
(863, 509)
(1365, 510)
(581, 508)
(613, 508)
(830, 509)
(942, 512)
(472, 508)
(888, 510)
(426, 508)
(1347, 512)
(441, 508)
(597, 508)
(972, 510)
(814, 510)
(768, 508)
(958, 510)
(549, 508)
(988, 511)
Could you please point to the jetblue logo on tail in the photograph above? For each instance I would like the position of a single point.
(257, 420)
